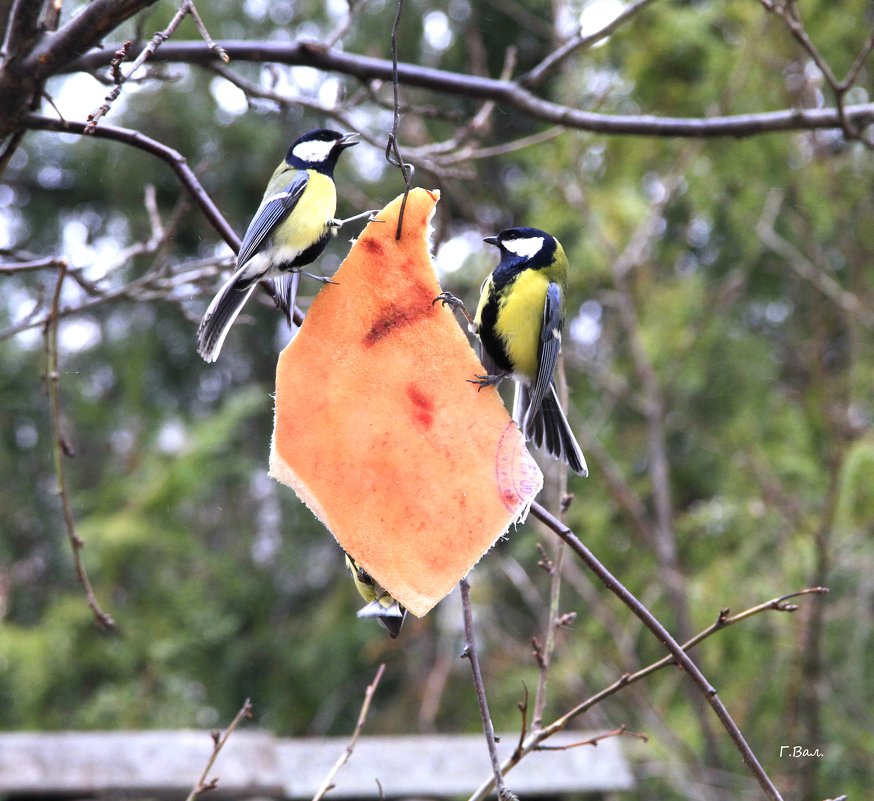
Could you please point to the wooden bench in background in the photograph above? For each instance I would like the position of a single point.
(253, 764)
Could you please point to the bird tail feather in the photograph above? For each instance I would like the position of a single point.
(388, 612)
(221, 313)
(285, 293)
(548, 428)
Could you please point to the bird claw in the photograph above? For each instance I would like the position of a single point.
(482, 381)
(456, 304)
(447, 299)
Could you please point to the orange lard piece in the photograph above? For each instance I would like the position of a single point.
(414, 471)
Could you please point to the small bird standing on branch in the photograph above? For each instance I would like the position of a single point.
(518, 322)
(291, 228)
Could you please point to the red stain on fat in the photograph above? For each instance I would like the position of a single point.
(394, 316)
(423, 407)
(371, 245)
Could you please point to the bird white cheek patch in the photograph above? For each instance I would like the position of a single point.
(315, 150)
(526, 247)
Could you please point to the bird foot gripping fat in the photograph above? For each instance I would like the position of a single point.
(414, 471)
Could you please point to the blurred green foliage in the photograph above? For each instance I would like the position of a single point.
(225, 587)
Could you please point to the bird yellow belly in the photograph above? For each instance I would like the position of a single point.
(520, 318)
(307, 224)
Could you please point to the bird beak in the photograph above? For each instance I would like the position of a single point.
(492, 240)
(347, 140)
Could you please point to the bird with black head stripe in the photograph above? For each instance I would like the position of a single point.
(290, 229)
(518, 322)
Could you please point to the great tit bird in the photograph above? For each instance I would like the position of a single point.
(518, 322)
(380, 604)
(292, 226)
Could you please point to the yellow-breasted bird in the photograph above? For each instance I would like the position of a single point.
(518, 322)
(291, 228)
(379, 603)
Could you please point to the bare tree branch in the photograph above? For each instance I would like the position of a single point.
(62, 449)
(84, 31)
(173, 157)
(661, 633)
(527, 744)
(620, 731)
(219, 740)
(791, 16)
(21, 27)
(470, 654)
(580, 42)
(328, 783)
(505, 92)
(818, 277)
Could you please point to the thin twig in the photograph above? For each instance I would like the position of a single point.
(392, 151)
(185, 9)
(62, 449)
(147, 52)
(470, 654)
(505, 148)
(218, 740)
(552, 619)
(789, 13)
(328, 783)
(620, 731)
(204, 33)
(146, 288)
(818, 277)
(344, 25)
(32, 265)
(252, 89)
(723, 620)
(853, 73)
(9, 150)
(580, 42)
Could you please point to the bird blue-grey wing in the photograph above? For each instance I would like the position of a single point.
(231, 298)
(273, 210)
(549, 346)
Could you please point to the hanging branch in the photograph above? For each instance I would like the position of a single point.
(392, 151)
(63, 449)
